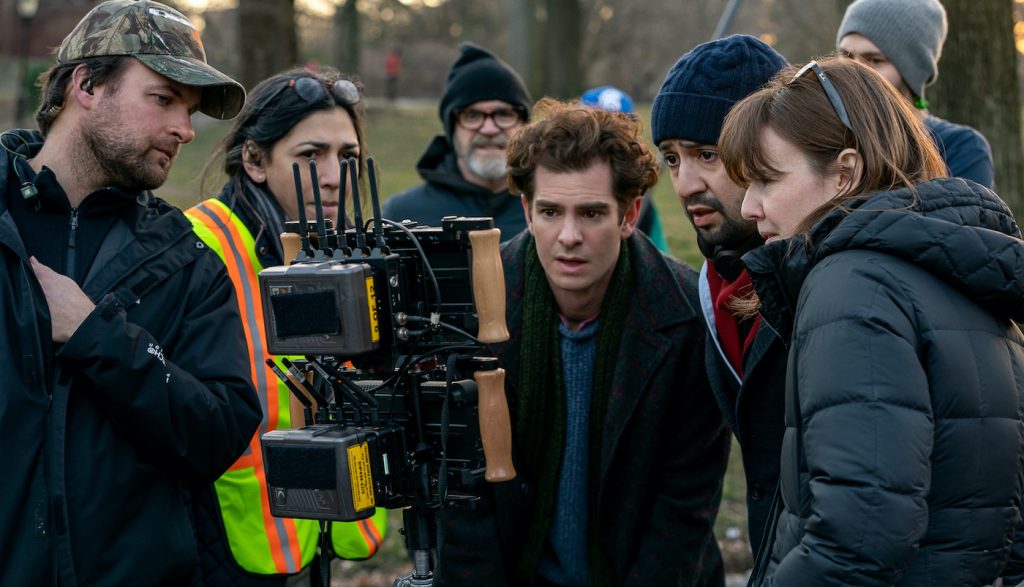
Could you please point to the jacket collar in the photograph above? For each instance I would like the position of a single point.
(154, 226)
(659, 303)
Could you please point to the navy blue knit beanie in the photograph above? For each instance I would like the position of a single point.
(478, 75)
(704, 84)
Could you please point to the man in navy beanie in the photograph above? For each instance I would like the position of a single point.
(484, 101)
(745, 359)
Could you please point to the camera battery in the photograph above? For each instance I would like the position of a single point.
(320, 472)
(327, 308)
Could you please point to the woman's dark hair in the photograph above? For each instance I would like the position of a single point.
(53, 84)
(271, 111)
(896, 148)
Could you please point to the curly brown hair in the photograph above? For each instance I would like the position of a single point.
(568, 136)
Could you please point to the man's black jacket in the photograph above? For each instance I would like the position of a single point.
(100, 434)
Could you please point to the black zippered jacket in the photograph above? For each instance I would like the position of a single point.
(101, 434)
(903, 455)
(447, 193)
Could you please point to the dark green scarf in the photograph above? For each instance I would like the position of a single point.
(541, 405)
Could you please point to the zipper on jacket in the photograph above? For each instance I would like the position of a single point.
(72, 240)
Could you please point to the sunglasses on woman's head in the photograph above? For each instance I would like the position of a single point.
(830, 91)
(311, 90)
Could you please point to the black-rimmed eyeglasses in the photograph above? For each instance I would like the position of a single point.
(473, 119)
(830, 91)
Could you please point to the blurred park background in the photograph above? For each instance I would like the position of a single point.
(560, 47)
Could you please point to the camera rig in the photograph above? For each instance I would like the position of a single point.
(403, 406)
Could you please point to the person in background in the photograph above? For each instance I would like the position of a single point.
(392, 71)
(615, 100)
(294, 116)
(902, 40)
(619, 447)
(484, 102)
(897, 289)
(745, 360)
(111, 311)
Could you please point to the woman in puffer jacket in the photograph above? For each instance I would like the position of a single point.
(897, 289)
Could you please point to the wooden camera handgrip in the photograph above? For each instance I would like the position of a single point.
(488, 285)
(495, 426)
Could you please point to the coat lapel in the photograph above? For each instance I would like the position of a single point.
(658, 303)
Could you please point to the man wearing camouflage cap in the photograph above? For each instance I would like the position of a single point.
(125, 372)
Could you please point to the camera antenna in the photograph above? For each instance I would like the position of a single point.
(303, 229)
(357, 213)
(321, 229)
(378, 226)
(343, 190)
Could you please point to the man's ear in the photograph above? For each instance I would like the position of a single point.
(252, 161)
(526, 212)
(851, 169)
(80, 88)
(630, 217)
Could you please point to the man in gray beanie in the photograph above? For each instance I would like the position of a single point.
(745, 363)
(484, 101)
(902, 40)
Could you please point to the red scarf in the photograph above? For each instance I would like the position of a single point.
(722, 293)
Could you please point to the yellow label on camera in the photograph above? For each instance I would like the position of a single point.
(361, 477)
(371, 301)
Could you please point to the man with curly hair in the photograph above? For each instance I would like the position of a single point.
(618, 444)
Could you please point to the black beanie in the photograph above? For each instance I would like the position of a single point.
(478, 75)
(704, 84)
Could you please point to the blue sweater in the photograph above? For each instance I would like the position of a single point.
(564, 560)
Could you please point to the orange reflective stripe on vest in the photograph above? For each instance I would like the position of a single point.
(261, 543)
(235, 245)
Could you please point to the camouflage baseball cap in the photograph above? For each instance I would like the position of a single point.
(160, 37)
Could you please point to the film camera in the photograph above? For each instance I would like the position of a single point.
(403, 407)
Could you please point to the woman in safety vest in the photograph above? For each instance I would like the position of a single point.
(295, 116)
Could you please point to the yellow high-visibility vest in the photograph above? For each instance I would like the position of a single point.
(261, 543)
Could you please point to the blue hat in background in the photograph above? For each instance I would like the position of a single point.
(608, 98)
(704, 84)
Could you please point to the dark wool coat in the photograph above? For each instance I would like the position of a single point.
(447, 193)
(903, 453)
(663, 453)
(753, 409)
(100, 434)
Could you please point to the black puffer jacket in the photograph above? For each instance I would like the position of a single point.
(903, 453)
(447, 193)
(99, 435)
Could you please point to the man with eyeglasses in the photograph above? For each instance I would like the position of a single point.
(124, 363)
(745, 359)
(902, 40)
(483, 103)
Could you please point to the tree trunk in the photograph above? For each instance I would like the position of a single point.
(977, 86)
(564, 38)
(536, 73)
(346, 37)
(267, 39)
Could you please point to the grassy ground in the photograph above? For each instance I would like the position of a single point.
(396, 138)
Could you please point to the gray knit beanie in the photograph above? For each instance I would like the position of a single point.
(909, 32)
